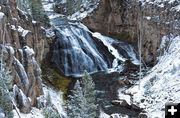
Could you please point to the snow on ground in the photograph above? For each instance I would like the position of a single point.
(125, 97)
(162, 84)
(160, 3)
(79, 15)
(35, 113)
(82, 13)
(115, 115)
(48, 8)
(57, 101)
(103, 115)
(48, 5)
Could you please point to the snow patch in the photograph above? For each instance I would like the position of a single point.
(28, 50)
(103, 114)
(13, 27)
(1, 15)
(34, 22)
(23, 31)
(148, 18)
(127, 98)
(176, 8)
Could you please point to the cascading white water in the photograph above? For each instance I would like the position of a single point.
(77, 49)
(74, 51)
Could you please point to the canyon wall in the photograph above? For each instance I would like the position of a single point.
(23, 45)
(129, 20)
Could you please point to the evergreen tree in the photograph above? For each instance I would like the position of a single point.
(5, 86)
(38, 13)
(49, 111)
(70, 6)
(23, 5)
(90, 95)
(76, 106)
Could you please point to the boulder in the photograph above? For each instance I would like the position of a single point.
(122, 103)
(23, 102)
(143, 115)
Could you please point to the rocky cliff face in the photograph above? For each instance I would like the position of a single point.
(22, 43)
(128, 20)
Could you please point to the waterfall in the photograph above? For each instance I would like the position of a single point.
(74, 51)
(77, 49)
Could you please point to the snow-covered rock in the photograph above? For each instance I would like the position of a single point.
(23, 102)
(57, 102)
(22, 74)
(23, 31)
(162, 84)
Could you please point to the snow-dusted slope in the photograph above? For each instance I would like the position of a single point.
(163, 83)
(56, 99)
(161, 3)
(174, 4)
(85, 10)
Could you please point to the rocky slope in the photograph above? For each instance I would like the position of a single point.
(129, 20)
(23, 44)
(161, 84)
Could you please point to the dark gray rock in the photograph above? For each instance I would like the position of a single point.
(143, 115)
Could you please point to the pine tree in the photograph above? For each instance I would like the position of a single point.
(5, 86)
(90, 95)
(70, 6)
(82, 102)
(79, 2)
(76, 106)
(23, 5)
(38, 13)
(49, 111)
